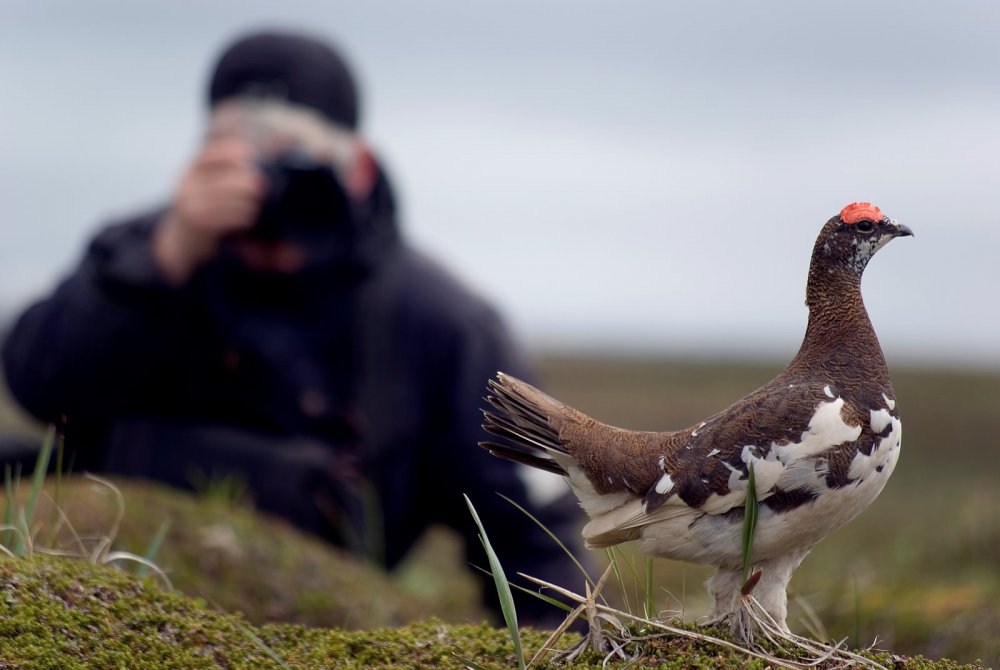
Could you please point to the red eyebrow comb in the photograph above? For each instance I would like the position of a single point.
(859, 211)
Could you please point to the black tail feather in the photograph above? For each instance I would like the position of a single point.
(518, 416)
(506, 427)
(524, 455)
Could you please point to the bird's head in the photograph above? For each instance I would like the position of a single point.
(850, 239)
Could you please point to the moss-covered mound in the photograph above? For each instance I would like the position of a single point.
(239, 560)
(67, 614)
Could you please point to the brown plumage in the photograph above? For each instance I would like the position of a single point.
(823, 437)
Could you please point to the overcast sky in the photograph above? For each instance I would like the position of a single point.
(645, 176)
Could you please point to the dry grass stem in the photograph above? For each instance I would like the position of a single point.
(99, 554)
(667, 628)
(812, 652)
(808, 653)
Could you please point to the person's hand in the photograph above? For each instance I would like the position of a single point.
(220, 194)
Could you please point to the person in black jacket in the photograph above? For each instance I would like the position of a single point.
(271, 322)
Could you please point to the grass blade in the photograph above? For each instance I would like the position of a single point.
(274, 656)
(41, 470)
(472, 665)
(544, 598)
(23, 547)
(503, 588)
(531, 592)
(37, 479)
(749, 524)
(153, 549)
(637, 579)
(115, 556)
(555, 539)
(60, 453)
(649, 605)
(613, 561)
(10, 498)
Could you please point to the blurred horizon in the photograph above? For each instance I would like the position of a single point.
(638, 180)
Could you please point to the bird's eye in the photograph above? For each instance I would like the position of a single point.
(865, 226)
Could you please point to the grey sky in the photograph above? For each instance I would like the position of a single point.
(641, 176)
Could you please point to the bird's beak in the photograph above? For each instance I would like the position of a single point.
(899, 230)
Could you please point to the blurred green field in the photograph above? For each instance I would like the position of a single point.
(919, 570)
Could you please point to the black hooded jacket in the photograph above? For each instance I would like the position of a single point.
(347, 396)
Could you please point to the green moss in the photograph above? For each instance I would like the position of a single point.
(65, 614)
(243, 561)
(58, 613)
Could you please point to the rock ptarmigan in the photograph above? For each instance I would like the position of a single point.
(823, 437)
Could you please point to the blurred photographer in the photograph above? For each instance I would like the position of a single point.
(270, 323)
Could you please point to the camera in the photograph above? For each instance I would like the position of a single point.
(305, 201)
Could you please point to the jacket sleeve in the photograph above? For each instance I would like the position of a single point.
(84, 350)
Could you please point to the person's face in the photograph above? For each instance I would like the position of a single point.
(273, 128)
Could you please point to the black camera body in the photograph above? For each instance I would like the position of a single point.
(305, 201)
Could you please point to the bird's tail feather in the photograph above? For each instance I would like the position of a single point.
(604, 466)
(528, 421)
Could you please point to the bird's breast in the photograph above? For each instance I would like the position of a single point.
(807, 488)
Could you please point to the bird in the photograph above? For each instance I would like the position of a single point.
(822, 439)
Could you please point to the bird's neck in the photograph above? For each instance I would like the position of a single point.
(839, 332)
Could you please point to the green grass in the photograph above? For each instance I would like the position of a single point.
(749, 525)
(503, 588)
